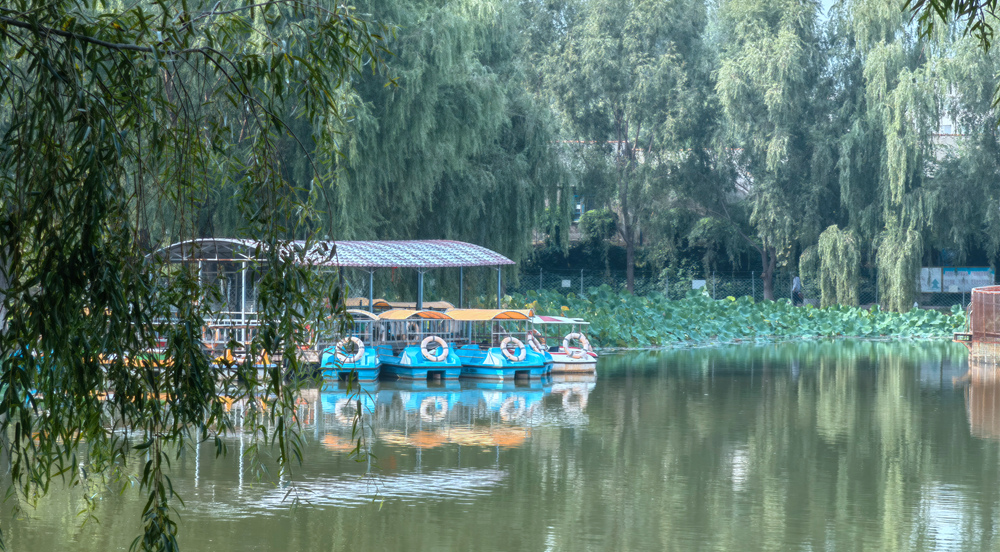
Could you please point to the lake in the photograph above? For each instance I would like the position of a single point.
(839, 445)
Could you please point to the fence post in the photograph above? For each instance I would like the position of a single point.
(667, 279)
(713, 285)
(753, 285)
(539, 280)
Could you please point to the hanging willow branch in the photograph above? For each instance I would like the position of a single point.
(840, 262)
(898, 260)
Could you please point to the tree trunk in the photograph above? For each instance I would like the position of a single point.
(630, 264)
(768, 260)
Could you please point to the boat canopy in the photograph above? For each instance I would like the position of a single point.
(485, 315)
(382, 304)
(540, 319)
(407, 314)
(361, 315)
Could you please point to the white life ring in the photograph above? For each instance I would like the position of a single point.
(534, 343)
(518, 345)
(584, 342)
(433, 408)
(440, 342)
(343, 357)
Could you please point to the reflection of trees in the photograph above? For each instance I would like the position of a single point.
(833, 445)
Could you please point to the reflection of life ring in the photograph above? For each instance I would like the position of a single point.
(345, 410)
(584, 344)
(518, 346)
(512, 407)
(440, 344)
(533, 342)
(343, 357)
(433, 408)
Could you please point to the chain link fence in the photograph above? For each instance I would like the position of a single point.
(718, 286)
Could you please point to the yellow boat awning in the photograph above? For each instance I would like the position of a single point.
(358, 314)
(485, 315)
(406, 314)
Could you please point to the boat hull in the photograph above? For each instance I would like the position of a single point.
(491, 364)
(411, 364)
(367, 368)
(563, 362)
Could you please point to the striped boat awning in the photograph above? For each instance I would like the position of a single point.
(542, 319)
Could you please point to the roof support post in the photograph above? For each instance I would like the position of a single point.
(499, 284)
(243, 301)
(461, 285)
(420, 288)
(371, 290)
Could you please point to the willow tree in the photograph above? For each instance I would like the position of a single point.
(114, 120)
(624, 74)
(839, 253)
(460, 149)
(888, 154)
(768, 73)
(899, 256)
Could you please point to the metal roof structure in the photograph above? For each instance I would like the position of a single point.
(421, 255)
(355, 254)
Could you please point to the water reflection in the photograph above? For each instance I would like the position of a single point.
(837, 445)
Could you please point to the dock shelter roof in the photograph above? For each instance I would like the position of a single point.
(356, 254)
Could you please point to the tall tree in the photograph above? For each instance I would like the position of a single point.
(460, 149)
(768, 74)
(622, 74)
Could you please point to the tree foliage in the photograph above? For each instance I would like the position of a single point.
(116, 122)
(839, 252)
(624, 76)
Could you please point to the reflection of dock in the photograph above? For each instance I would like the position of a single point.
(982, 400)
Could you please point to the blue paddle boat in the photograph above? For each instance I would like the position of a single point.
(495, 345)
(417, 345)
(354, 355)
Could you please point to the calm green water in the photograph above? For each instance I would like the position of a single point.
(819, 446)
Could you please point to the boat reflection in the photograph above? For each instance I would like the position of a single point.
(425, 415)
